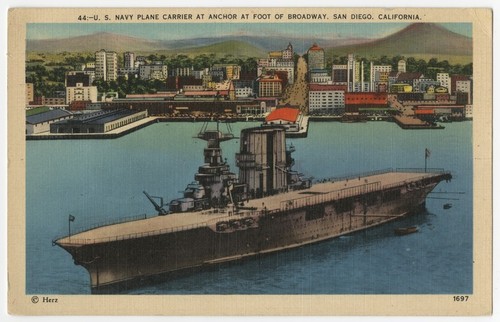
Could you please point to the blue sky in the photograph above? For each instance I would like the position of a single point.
(172, 31)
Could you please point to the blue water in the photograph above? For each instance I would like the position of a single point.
(101, 180)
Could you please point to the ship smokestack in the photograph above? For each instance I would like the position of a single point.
(262, 160)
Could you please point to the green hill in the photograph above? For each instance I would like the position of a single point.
(231, 47)
(420, 40)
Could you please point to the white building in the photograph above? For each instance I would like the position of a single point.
(156, 71)
(288, 52)
(352, 73)
(128, 60)
(444, 80)
(319, 76)
(379, 75)
(184, 71)
(81, 93)
(243, 92)
(106, 65)
(468, 111)
(402, 66)
(326, 98)
(198, 74)
(79, 87)
(127, 71)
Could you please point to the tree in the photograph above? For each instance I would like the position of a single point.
(433, 62)
(467, 69)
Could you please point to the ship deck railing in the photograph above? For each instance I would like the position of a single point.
(102, 224)
(359, 175)
(356, 190)
(421, 170)
(382, 171)
(87, 241)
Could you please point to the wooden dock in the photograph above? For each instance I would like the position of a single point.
(413, 123)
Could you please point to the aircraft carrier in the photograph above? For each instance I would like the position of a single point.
(223, 217)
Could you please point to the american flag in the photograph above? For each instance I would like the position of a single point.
(427, 153)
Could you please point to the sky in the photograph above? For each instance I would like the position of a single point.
(172, 31)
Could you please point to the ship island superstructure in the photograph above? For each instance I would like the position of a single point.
(268, 207)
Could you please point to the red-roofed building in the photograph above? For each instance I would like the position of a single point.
(282, 115)
(453, 111)
(78, 105)
(354, 101)
(287, 116)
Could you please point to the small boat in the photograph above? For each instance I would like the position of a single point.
(447, 206)
(405, 230)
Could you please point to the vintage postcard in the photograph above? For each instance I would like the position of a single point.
(250, 161)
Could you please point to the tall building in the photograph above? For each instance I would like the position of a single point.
(402, 66)
(184, 71)
(106, 65)
(288, 52)
(444, 80)
(352, 73)
(316, 57)
(226, 71)
(30, 93)
(277, 65)
(128, 60)
(339, 74)
(270, 86)
(319, 76)
(327, 99)
(79, 87)
(465, 86)
(379, 75)
(278, 61)
(74, 77)
(100, 64)
(154, 71)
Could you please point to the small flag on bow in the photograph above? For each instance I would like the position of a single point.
(71, 218)
(427, 153)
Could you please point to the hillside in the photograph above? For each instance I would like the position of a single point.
(420, 40)
(122, 43)
(231, 47)
(235, 43)
(93, 43)
(417, 40)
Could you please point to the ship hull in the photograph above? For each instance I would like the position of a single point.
(123, 263)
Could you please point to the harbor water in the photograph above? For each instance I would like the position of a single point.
(99, 181)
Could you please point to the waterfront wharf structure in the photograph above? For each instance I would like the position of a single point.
(98, 122)
(41, 122)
